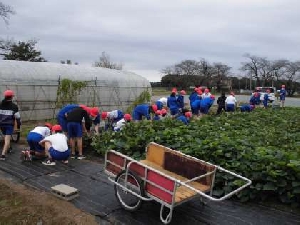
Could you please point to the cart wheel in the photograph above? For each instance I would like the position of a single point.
(129, 201)
(15, 137)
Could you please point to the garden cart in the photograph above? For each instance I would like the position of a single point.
(166, 176)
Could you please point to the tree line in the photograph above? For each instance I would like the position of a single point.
(255, 71)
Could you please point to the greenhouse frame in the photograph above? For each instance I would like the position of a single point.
(36, 86)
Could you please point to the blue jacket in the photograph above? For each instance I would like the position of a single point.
(196, 104)
(180, 100)
(183, 119)
(193, 97)
(246, 108)
(156, 117)
(142, 110)
(66, 109)
(172, 103)
(206, 103)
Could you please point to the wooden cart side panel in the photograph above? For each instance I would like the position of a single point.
(188, 167)
(160, 181)
(114, 163)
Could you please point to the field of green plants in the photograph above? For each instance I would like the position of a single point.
(263, 145)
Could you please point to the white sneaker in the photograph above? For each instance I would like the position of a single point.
(49, 162)
(80, 157)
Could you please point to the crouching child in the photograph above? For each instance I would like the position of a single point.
(56, 147)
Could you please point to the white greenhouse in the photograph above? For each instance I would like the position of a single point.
(36, 85)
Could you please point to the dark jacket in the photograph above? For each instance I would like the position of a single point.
(77, 115)
(221, 100)
(9, 112)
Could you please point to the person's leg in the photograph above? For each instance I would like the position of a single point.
(6, 131)
(79, 145)
(6, 144)
(50, 161)
(72, 145)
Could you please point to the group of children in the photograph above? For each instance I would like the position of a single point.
(64, 140)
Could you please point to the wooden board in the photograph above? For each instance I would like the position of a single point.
(182, 192)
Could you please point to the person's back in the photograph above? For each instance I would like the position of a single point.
(9, 113)
(221, 100)
(77, 115)
(141, 110)
(58, 142)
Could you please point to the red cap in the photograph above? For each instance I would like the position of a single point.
(103, 115)
(127, 117)
(8, 93)
(163, 112)
(183, 92)
(154, 107)
(188, 114)
(87, 109)
(158, 112)
(49, 125)
(94, 111)
(56, 127)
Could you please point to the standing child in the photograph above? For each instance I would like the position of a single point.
(9, 113)
(282, 95)
(221, 103)
(173, 104)
(56, 147)
(180, 100)
(266, 98)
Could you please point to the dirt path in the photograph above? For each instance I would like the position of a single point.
(23, 205)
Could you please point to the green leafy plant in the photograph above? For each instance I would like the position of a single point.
(144, 97)
(263, 145)
(68, 90)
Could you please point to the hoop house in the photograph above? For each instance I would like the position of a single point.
(36, 84)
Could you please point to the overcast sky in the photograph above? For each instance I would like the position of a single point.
(149, 35)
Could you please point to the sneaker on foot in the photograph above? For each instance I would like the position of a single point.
(49, 162)
(9, 150)
(23, 155)
(80, 157)
(73, 156)
(2, 157)
(28, 155)
(65, 161)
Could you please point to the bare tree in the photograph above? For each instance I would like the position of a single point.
(221, 72)
(186, 67)
(5, 12)
(292, 74)
(253, 68)
(207, 71)
(104, 61)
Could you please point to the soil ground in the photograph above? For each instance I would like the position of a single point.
(22, 205)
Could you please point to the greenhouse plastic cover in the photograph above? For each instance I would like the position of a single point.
(36, 83)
